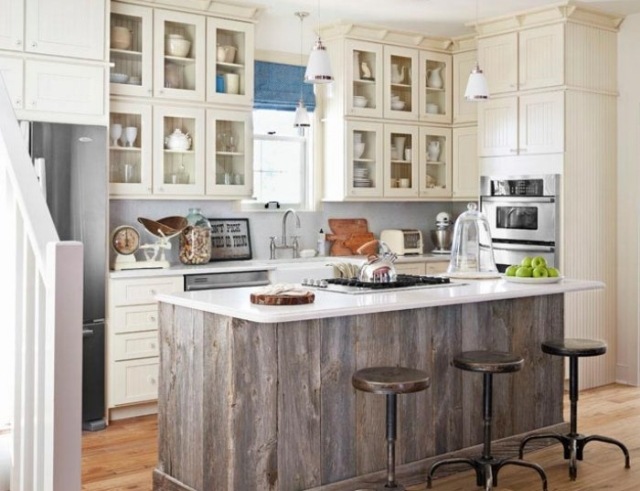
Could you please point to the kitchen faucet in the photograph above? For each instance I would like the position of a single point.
(273, 246)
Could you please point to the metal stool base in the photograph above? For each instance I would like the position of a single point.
(573, 446)
(487, 469)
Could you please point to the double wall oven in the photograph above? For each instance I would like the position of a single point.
(524, 215)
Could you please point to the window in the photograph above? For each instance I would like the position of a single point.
(281, 161)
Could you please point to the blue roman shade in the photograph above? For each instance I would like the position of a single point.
(277, 86)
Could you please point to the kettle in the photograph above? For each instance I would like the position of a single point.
(472, 250)
(379, 267)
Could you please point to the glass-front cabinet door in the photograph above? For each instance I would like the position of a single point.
(130, 50)
(229, 153)
(435, 162)
(364, 159)
(401, 161)
(435, 87)
(129, 149)
(363, 79)
(179, 52)
(230, 61)
(178, 150)
(400, 83)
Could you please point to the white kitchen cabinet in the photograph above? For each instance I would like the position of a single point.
(229, 166)
(401, 78)
(230, 61)
(132, 338)
(541, 123)
(401, 165)
(12, 71)
(130, 164)
(64, 88)
(11, 24)
(498, 126)
(422, 268)
(364, 74)
(177, 171)
(410, 268)
(364, 159)
(530, 59)
(435, 162)
(179, 77)
(134, 60)
(464, 111)
(435, 87)
(69, 28)
(466, 179)
(436, 267)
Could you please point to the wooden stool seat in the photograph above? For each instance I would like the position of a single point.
(488, 361)
(390, 380)
(574, 347)
(573, 443)
(486, 466)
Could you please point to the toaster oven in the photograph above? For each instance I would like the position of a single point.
(403, 241)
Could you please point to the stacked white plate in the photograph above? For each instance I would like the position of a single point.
(361, 178)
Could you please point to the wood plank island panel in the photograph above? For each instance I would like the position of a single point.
(270, 406)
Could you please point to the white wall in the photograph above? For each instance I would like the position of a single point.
(628, 369)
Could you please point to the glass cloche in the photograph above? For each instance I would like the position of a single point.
(472, 252)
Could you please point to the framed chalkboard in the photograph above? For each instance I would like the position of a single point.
(230, 239)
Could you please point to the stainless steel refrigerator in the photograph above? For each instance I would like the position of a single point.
(70, 161)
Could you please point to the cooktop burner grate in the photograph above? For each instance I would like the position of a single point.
(402, 281)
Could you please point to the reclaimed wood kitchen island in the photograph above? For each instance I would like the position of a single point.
(260, 398)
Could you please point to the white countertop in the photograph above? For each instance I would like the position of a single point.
(235, 302)
(258, 265)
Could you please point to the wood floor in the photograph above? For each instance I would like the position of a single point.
(122, 457)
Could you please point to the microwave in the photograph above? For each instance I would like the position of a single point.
(403, 241)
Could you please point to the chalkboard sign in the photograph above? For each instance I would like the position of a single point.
(230, 239)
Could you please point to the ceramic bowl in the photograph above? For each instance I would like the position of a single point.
(306, 253)
(359, 101)
(433, 108)
(120, 37)
(397, 105)
(395, 98)
(177, 46)
(358, 150)
(118, 78)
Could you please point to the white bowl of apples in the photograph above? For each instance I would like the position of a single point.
(532, 270)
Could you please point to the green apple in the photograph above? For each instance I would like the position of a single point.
(553, 272)
(540, 272)
(511, 270)
(538, 261)
(526, 262)
(524, 272)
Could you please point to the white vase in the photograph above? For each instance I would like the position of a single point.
(434, 80)
(433, 150)
(398, 142)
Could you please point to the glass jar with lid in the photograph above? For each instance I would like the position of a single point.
(472, 250)
(195, 239)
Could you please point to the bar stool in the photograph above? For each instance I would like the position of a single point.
(573, 442)
(390, 381)
(486, 466)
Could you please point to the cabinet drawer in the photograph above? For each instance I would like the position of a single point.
(410, 268)
(135, 318)
(144, 290)
(135, 345)
(437, 267)
(135, 381)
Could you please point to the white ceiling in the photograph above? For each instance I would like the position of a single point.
(278, 29)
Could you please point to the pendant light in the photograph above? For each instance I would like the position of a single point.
(319, 67)
(477, 87)
(301, 119)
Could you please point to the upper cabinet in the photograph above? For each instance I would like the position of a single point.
(435, 87)
(464, 111)
(230, 47)
(401, 83)
(11, 24)
(363, 79)
(530, 59)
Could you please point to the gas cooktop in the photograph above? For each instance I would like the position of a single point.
(353, 286)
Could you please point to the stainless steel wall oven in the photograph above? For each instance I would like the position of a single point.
(524, 216)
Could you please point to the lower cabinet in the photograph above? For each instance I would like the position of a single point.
(423, 268)
(132, 338)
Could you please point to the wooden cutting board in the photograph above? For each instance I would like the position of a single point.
(282, 299)
(348, 234)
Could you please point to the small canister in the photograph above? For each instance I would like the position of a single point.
(195, 239)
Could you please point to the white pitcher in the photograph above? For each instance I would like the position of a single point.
(397, 73)
(433, 150)
(434, 80)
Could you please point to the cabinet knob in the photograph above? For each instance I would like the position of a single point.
(18, 102)
(152, 318)
(513, 150)
(18, 42)
(34, 44)
(152, 380)
(153, 345)
(149, 91)
(152, 291)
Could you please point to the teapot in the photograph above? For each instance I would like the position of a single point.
(434, 80)
(397, 73)
(433, 150)
(178, 140)
(379, 267)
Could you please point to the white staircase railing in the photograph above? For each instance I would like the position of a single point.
(42, 314)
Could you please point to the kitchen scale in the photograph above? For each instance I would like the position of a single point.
(125, 241)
